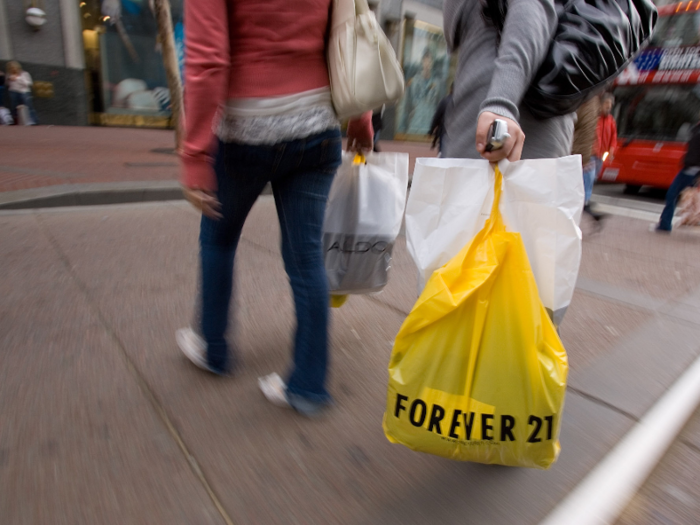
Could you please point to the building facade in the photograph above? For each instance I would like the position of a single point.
(99, 62)
(52, 54)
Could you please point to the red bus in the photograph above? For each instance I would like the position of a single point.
(657, 102)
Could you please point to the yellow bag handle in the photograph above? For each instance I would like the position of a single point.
(493, 224)
(495, 220)
(359, 159)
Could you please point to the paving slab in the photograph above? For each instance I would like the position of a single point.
(449, 492)
(645, 274)
(593, 326)
(634, 374)
(671, 495)
(633, 237)
(691, 432)
(79, 440)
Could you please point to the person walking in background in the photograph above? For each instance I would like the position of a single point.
(493, 72)
(585, 131)
(606, 134)
(276, 123)
(687, 177)
(19, 87)
(437, 126)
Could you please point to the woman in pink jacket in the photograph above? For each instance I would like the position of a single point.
(257, 110)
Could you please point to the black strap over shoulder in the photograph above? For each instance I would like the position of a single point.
(594, 41)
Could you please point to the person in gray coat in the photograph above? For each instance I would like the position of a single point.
(493, 74)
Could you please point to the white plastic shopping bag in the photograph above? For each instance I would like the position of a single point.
(363, 218)
(542, 200)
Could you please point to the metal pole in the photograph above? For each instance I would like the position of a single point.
(172, 71)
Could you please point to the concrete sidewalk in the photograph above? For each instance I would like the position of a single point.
(42, 166)
(104, 421)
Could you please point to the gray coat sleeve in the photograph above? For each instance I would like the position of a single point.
(528, 31)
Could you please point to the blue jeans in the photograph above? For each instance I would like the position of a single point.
(682, 181)
(590, 174)
(301, 173)
(17, 99)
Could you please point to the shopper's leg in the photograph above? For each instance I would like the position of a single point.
(238, 187)
(598, 167)
(301, 198)
(681, 182)
(588, 178)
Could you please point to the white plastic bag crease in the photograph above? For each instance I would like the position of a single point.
(542, 199)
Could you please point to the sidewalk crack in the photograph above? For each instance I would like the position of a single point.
(602, 403)
(691, 445)
(148, 392)
(389, 306)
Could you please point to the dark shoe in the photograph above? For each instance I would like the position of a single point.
(595, 215)
(659, 229)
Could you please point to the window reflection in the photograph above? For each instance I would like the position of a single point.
(657, 112)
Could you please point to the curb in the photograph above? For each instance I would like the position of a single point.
(93, 194)
(630, 204)
(90, 194)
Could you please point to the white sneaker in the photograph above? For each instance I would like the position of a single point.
(193, 346)
(274, 389)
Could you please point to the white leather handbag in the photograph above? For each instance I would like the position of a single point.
(363, 67)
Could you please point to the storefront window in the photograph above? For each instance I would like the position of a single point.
(426, 66)
(124, 56)
(657, 112)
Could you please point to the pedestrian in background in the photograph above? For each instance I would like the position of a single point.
(19, 87)
(585, 131)
(276, 124)
(493, 73)
(606, 134)
(5, 117)
(2, 89)
(437, 126)
(687, 177)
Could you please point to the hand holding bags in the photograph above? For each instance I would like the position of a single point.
(364, 71)
(478, 372)
(363, 218)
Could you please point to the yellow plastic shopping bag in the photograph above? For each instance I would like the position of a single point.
(478, 372)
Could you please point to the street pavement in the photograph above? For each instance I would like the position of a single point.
(102, 420)
(671, 496)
